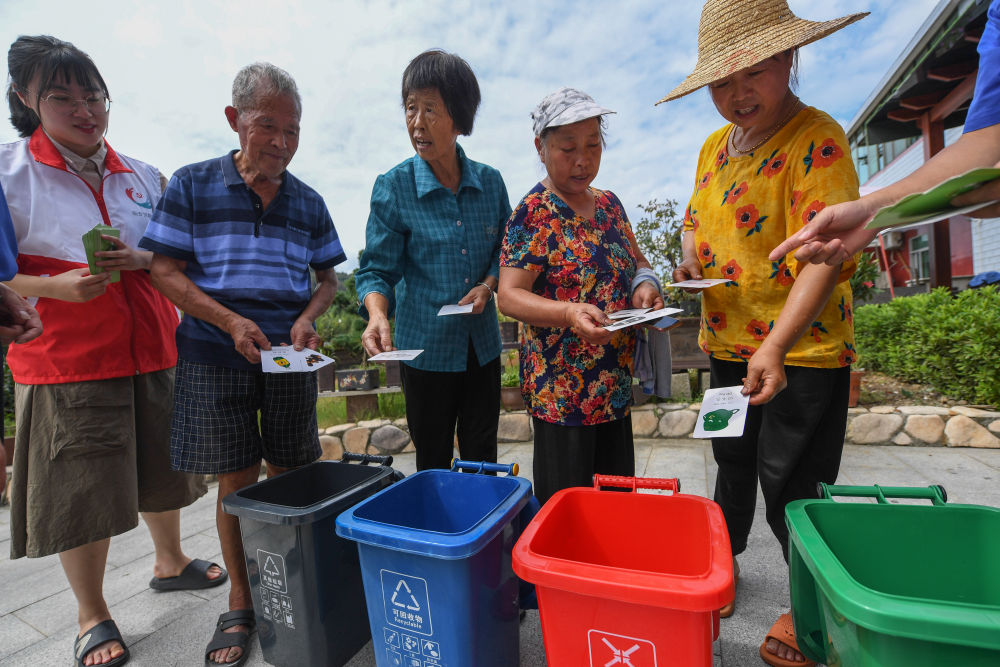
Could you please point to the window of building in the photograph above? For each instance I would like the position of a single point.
(920, 259)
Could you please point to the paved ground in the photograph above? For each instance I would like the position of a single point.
(38, 612)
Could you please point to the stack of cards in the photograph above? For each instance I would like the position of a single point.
(92, 242)
(286, 359)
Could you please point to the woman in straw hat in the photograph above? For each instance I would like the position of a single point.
(567, 258)
(781, 329)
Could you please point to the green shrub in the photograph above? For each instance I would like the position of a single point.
(950, 343)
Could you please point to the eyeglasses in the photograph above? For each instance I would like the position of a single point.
(64, 104)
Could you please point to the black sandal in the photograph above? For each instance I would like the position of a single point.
(240, 639)
(105, 631)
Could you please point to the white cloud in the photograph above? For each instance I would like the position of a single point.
(170, 68)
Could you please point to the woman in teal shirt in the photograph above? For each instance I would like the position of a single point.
(433, 238)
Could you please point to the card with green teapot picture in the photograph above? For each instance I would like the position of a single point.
(723, 413)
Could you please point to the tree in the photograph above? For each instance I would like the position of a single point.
(658, 234)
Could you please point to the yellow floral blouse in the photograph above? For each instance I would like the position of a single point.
(742, 207)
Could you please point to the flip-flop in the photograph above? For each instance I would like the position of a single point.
(783, 631)
(728, 609)
(239, 639)
(193, 577)
(105, 631)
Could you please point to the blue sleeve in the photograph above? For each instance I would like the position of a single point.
(381, 265)
(985, 108)
(8, 242)
(170, 230)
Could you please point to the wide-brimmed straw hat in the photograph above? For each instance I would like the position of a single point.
(734, 34)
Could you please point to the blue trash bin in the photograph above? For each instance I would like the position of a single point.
(435, 552)
(305, 580)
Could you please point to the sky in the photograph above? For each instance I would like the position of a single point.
(170, 65)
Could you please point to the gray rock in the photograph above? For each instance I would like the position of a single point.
(401, 423)
(514, 427)
(962, 431)
(644, 423)
(340, 429)
(966, 411)
(373, 423)
(857, 411)
(873, 428)
(677, 424)
(356, 440)
(669, 407)
(924, 410)
(389, 439)
(927, 428)
(680, 386)
(333, 448)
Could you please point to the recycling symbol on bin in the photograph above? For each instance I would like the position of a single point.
(403, 597)
(608, 649)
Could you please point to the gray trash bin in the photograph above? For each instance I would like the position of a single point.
(306, 581)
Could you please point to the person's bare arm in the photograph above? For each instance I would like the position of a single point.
(168, 276)
(766, 368)
(516, 300)
(837, 232)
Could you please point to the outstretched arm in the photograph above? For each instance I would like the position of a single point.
(837, 232)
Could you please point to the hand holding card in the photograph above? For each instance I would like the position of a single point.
(92, 242)
(723, 413)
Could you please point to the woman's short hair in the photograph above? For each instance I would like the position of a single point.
(51, 60)
(260, 79)
(453, 79)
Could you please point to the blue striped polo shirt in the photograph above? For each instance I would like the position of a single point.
(254, 263)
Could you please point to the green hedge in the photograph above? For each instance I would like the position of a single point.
(950, 343)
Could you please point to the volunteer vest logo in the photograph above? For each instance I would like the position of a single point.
(138, 198)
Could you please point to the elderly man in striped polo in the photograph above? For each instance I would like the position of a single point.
(233, 240)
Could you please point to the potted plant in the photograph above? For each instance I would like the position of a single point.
(357, 379)
(510, 383)
(508, 330)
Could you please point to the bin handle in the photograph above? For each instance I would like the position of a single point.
(669, 484)
(480, 467)
(935, 493)
(365, 459)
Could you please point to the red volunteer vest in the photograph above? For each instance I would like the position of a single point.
(127, 330)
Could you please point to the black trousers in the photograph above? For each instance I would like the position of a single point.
(568, 456)
(789, 445)
(437, 402)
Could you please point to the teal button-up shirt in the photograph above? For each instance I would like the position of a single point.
(426, 247)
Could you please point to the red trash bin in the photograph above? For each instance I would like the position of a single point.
(628, 579)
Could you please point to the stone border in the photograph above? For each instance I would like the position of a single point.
(916, 425)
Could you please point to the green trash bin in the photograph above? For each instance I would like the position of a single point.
(893, 585)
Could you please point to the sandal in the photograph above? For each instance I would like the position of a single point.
(727, 610)
(239, 639)
(105, 631)
(193, 577)
(783, 631)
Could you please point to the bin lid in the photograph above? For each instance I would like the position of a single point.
(437, 513)
(924, 572)
(657, 550)
(308, 494)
